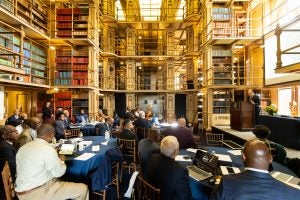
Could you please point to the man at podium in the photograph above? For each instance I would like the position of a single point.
(254, 99)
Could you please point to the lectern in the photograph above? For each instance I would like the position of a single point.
(241, 116)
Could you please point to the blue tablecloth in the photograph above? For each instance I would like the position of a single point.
(78, 170)
(87, 130)
(201, 190)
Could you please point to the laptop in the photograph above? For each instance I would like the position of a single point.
(204, 166)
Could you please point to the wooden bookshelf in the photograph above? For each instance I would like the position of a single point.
(221, 101)
(222, 66)
(222, 21)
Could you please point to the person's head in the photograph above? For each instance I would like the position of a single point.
(169, 146)
(34, 123)
(127, 124)
(152, 135)
(66, 113)
(181, 122)
(261, 132)
(46, 132)
(250, 92)
(16, 111)
(100, 112)
(141, 114)
(82, 111)
(48, 104)
(110, 121)
(256, 154)
(8, 133)
(25, 123)
(23, 116)
(60, 116)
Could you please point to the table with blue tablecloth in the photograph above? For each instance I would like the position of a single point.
(79, 170)
(87, 130)
(201, 190)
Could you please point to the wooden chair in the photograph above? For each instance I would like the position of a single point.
(72, 133)
(141, 132)
(115, 181)
(145, 191)
(8, 182)
(214, 139)
(129, 154)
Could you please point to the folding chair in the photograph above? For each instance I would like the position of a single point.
(8, 182)
(145, 191)
(214, 139)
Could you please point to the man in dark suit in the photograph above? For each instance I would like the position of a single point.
(254, 99)
(59, 126)
(107, 126)
(15, 119)
(255, 182)
(8, 134)
(183, 134)
(166, 174)
(141, 122)
(82, 117)
(127, 131)
(67, 120)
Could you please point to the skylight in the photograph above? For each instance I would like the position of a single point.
(150, 9)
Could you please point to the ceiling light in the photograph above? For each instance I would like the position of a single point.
(159, 67)
(140, 67)
(55, 89)
(140, 37)
(160, 37)
(52, 47)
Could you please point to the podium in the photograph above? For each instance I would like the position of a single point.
(241, 116)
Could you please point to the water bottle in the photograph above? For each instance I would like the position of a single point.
(53, 140)
(107, 135)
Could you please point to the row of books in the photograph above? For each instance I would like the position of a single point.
(63, 95)
(221, 52)
(222, 82)
(66, 11)
(222, 96)
(221, 103)
(80, 75)
(221, 10)
(63, 74)
(63, 103)
(7, 5)
(39, 80)
(221, 110)
(38, 73)
(70, 33)
(222, 76)
(71, 60)
(81, 102)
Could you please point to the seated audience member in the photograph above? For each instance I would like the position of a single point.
(38, 169)
(67, 120)
(116, 120)
(166, 174)
(8, 136)
(100, 117)
(47, 113)
(147, 147)
(15, 119)
(255, 182)
(127, 131)
(82, 117)
(59, 126)
(141, 122)
(107, 126)
(183, 134)
(29, 133)
(261, 132)
(23, 124)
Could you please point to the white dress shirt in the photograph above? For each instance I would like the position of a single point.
(256, 170)
(37, 163)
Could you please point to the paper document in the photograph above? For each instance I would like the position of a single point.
(192, 150)
(74, 140)
(131, 183)
(223, 157)
(67, 149)
(229, 170)
(85, 143)
(85, 156)
(235, 152)
(96, 148)
(185, 158)
(104, 143)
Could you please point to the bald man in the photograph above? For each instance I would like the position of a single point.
(183, 134)
(255, 182)
(166, 174)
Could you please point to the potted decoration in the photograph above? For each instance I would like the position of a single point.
(271, 109)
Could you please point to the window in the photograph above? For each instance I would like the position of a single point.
(284, 98)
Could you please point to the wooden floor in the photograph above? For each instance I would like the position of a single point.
(241, 137)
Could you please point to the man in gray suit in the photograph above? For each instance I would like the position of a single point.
(255, 182)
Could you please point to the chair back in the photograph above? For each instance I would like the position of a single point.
(8, 182)
(128, 149)
(141, 132)
(72, 133)
(145, 191)
(214, 139)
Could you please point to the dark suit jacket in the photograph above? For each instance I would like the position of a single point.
(255, 186)
(128, 135)
(67, 122)
(183, 135)
(141, 122)
(59, 129)
(78, 118)
(7, 153)
(47, 112)
(146, 148)
(171, 178)
(102, 128)
(12, 120)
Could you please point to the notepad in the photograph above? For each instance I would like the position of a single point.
(104, 143)
(85, 156)
(223, 157)
(235, 152)
(185, 158)
(96, 148)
